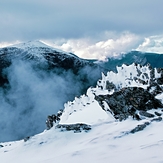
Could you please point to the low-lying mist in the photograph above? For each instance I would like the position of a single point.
(33, 94)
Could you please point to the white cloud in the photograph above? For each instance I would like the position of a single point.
(110, 44)
(4, 44)
(105, 45)
(152, 44)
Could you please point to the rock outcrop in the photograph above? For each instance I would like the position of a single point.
(78, 127)
(130, 101)
(51, 119)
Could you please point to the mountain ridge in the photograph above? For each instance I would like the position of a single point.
(38, 81)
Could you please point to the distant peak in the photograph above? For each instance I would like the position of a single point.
(31, 44)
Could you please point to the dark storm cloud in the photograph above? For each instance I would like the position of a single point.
(37, 19)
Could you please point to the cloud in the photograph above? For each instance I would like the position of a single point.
(5, 44)
(108, 44)
(33, 93)
(31, 97)
(152, 44)
(105, 45)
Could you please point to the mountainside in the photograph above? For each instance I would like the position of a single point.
(119, 116)
(119, 120)
(42, 57)
(36, 80)
(142, 58)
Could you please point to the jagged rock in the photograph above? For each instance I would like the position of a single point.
(49, 122)
(139, 127)
(51, 119)
(1, 146)
(74, 127)
(59, 113)
(128, 100)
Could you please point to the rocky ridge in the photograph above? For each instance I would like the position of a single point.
(135, 91)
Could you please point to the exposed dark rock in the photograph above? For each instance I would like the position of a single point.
(137, 117)
(139, 127)
(128, 100)
(27, 138)
(154, 88)
(160, 80)
(158, 114)
(1, 146)
(49, 122)
(59, 113)
(146, 114)
(79, 127)
(156, 119)
(110, 86)
(51, 119)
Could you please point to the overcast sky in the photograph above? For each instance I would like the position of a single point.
(25, 20)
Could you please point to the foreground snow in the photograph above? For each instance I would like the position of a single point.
(106, 142)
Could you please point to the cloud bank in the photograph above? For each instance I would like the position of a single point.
(107, 45)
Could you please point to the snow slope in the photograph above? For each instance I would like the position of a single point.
(109, 140)
(106, 142)
(37, 46)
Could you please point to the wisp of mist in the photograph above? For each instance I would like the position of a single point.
(32, 95)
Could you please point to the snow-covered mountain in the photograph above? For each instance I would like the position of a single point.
(119, 120)
(42, 57)
(36, 80)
